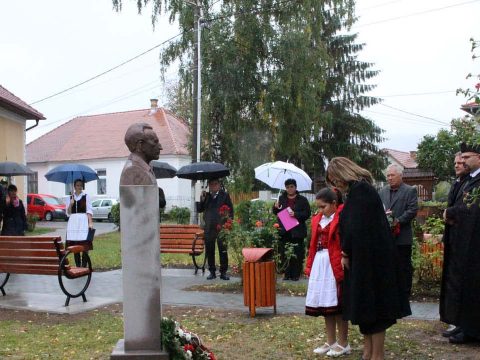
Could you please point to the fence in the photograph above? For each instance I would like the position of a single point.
(239, 197)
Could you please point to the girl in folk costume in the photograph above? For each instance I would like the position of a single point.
(326, 274)
(80, 221)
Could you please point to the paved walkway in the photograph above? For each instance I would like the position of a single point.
(42, 293)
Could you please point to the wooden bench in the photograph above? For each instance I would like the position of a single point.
(184, 239)
(44, 255)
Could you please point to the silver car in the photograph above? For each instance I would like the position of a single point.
(102, 209)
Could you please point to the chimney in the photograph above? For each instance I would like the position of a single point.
(153, 106)
(413, 155)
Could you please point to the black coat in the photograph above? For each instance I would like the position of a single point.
(454, 252)
(302, 213)
(14, 220)
(210, 207)
(372, 286)
(465, 309)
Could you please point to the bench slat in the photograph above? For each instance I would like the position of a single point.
(179, 251)
(30, 238)
(28, 260)
(179, 241)
(29, 252)
(26, 245)
(29, 269)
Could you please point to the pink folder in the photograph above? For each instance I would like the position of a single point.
(288, 221)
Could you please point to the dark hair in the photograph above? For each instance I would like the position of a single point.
(291, 182)
(11, 187)
(329, 195)
(213, 179)
(81, 180)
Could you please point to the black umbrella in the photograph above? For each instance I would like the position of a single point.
(10, 168)
(203, 170)
(162, 169)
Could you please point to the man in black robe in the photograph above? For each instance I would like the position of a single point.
(466, 216)
(453, 254)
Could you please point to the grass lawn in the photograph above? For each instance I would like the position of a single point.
(39, 231)
(229, 334)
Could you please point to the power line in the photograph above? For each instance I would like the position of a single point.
(410, 113)
(109, 70)
(415, 14)
(403, 119)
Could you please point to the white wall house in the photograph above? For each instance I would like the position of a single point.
(98, 142)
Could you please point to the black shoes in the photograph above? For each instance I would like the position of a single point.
(461, 338)
(211, 276)
(447, 333)
(224, 276)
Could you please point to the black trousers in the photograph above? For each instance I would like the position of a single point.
(404, 253)
(210, 240)
(295, 264)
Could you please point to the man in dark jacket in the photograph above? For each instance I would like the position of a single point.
(299, 208)
(453, 254)
(466, 216)
(210, 204)
(401, 200)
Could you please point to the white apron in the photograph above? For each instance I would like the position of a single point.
(322, 286)
(77, 227)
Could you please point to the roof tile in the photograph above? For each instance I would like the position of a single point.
(18, 104)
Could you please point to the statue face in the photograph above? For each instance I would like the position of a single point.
(150, 145)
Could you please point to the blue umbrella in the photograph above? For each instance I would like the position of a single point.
(68, 173)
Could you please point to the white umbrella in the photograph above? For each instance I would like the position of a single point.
(275, 173)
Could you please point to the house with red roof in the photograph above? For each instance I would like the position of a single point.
(424, 180)
(14, 113)
(98, 142)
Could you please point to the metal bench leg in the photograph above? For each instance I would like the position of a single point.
(3, 291)
(84, 297)
(67, 302)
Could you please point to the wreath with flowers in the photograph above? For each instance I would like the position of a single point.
(182, 344)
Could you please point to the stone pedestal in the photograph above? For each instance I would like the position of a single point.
(141, 274)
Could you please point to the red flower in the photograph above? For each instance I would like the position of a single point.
(212, 357)
(396, 230)
(187, 347)
(276, 225)
(477, 86)
(228, 224)
(224, 211)
(219, 227)
(258, 224)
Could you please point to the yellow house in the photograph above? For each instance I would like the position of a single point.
(14, 113)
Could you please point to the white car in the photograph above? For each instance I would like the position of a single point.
(102, 209)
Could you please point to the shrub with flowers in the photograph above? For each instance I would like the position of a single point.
(254, 226)
(182, 344)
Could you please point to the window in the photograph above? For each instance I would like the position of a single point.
(32, 185)
(37, 201)
(96, 203)
(107, 203)
(102, 182)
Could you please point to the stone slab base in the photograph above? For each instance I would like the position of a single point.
(120, 353)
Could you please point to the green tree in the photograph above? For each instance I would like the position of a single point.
(437, 152)
(280, 81)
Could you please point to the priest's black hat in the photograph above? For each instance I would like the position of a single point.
(464, 147)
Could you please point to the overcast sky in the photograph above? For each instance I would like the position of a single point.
(422, 49)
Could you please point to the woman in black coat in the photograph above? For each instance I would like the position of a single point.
(14, 218)
(372, 293)
(299, 209)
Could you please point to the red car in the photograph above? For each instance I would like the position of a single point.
(47, 207)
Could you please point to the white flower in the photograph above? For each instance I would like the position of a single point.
(189, 354)
(180, 332)
(188, 337)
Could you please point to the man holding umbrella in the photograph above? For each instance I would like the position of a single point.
(210, 203)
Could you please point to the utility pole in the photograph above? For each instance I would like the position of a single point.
(197, 103)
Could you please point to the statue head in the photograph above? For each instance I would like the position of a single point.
(143, 141)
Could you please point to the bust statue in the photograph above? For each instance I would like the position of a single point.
(144, 146)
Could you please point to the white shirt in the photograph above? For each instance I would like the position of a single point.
(325, 220)
(475, 173)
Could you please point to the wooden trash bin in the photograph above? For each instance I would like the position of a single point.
(259, 279)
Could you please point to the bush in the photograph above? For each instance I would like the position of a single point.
(115, 211)
(433, 225)
(180, 215)
(441, 191)
(32, 221)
